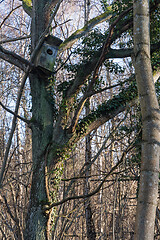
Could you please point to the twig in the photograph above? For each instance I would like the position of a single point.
(10, 111)
(106, 46)
(93, 192)
(9, 15)
(14, 39)
(9, 210)
(3, 233)
(13, 125)
(86, 28)
(86, 167)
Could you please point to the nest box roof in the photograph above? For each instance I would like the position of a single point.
(52, 40)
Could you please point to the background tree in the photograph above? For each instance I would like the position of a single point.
(93, 61)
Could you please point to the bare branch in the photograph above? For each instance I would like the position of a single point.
(84, 99)
(106, 111)
(88, 166)
(83, 31)
(9, 210)
(3, 233)
(14, 39)
(14, 59)
(106, 46)
(99, 186)
(9, 15)
(102, 57)
(10, 111)
(13, 125)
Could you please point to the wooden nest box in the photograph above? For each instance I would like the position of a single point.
(47, 54)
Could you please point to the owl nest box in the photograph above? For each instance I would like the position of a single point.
(47, 54)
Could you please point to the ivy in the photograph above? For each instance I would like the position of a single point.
(63, 87)
(126, 95)
(113, 67)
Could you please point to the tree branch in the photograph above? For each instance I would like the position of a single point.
(9, 15)
(88, 166)
(101, 59)
(96, 190)
(15, 59)
(3, 233)
(84, 99)
(107, 110)
(14, 39)
(9, 210)
(27, 6)
(87, 27)
(13, 126)
(10, 111)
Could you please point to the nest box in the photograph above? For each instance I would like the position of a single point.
(47, 54)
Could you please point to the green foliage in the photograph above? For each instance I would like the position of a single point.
(27, 6)
(57, 173)
(125, 95)
(104, 4)
(63, 87)
(113, 67)
(155, 26)
(155, 37)
(122, 5)
(85, 51)
(88, 49)
(157, 85)
(155, 61)
(90, 45)
(118, 7)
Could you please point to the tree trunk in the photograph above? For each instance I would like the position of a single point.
(36, 227)
(42, 129)
(148, 191)
(90, 226)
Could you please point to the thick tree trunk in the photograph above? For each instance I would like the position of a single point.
(42, 130)
(36, 224)
(148, 191)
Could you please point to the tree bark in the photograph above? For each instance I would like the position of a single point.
(148, 191)
(36, 225)
(42, 129)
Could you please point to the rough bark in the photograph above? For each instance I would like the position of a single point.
(42, 128)
(148, 191)
(36, 225)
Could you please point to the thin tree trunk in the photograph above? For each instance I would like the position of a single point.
(91, 233)
(148, 191)
(90, 227)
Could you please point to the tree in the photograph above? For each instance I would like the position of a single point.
(56, 129)
(148, 192)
